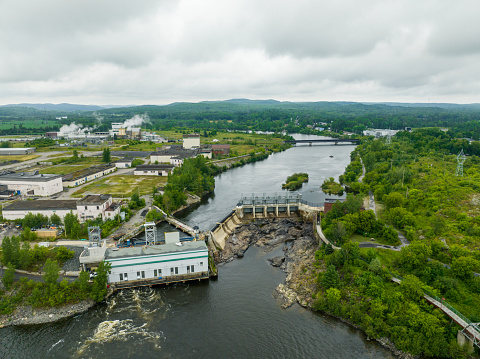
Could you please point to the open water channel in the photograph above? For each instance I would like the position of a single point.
(236, 316)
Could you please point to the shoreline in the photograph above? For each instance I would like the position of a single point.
(299, 246)
(27, 315)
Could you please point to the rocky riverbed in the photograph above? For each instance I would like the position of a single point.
(299, 246)
(23, 315)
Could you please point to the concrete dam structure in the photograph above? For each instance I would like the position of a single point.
(262, 206)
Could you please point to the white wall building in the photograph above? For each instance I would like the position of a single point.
(20, 209)
(153, 170)
(32, 183)
(124, 163)
(157, 264)
(191, 141)
(94, 205)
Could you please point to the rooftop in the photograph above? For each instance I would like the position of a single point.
(27, 176)
(153, 167)
(175, 152)
(42, 204)
(155, 250)
(94, 199)
(191, 135)
(87, 172)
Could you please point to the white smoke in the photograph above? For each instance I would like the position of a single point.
(98, 119)
(136, 121)
(73, 130)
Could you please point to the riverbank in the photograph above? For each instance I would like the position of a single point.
(299, 246)
(27, 315)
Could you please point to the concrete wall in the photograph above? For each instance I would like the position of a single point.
(190, 142)
(160, 158)
(12, 215)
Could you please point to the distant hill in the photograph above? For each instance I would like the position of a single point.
(62, 107)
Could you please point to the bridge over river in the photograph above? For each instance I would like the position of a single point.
(336, 141)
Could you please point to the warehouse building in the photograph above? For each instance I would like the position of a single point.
(80, 177)
(153, 170)
(17, 151)
(31, 183)
(19, 209)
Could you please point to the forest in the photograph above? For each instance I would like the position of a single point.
(242, 115)
(419, 192)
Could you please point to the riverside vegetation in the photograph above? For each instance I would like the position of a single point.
(295, 181)
(414, 183)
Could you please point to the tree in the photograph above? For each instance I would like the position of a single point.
(330, 278)
(415, 255)
(69, 221)
(412, 287)
(394, 199)
(106, 155)
(75, 155)
(462, 267)
(99, 289)
(390, 235)
(51, 270)
(8, 276)
(55, 219)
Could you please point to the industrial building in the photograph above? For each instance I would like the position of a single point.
(89, 207)
(31, 183)
(19, 209)
(191, 141)
(88, 174)
(124, 163)
(166, 155)
(17, 151)
(153, 170)
(173, 261)
(95, 205)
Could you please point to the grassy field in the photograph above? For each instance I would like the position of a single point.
(63, 169)
(122, 185)
(20, 158)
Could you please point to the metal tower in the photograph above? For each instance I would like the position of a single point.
(460, 159)
(94, 235)
(388, 141)
(150, 233)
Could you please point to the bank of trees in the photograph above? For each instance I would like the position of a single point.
(52, 292)
(357, 286)
(417, 192)
(194, 176)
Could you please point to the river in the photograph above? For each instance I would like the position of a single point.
(236, 316)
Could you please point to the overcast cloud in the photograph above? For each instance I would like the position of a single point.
(157, 52)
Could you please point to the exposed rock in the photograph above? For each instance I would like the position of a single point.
(29, 315)
(276, 261)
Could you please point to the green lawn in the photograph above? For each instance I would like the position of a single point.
(122, 185)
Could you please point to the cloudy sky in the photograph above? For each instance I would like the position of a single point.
(157, 52)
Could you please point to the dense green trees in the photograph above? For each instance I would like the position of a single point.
(194, 176)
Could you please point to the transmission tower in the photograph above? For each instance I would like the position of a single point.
(460, 159)
(388, 140)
